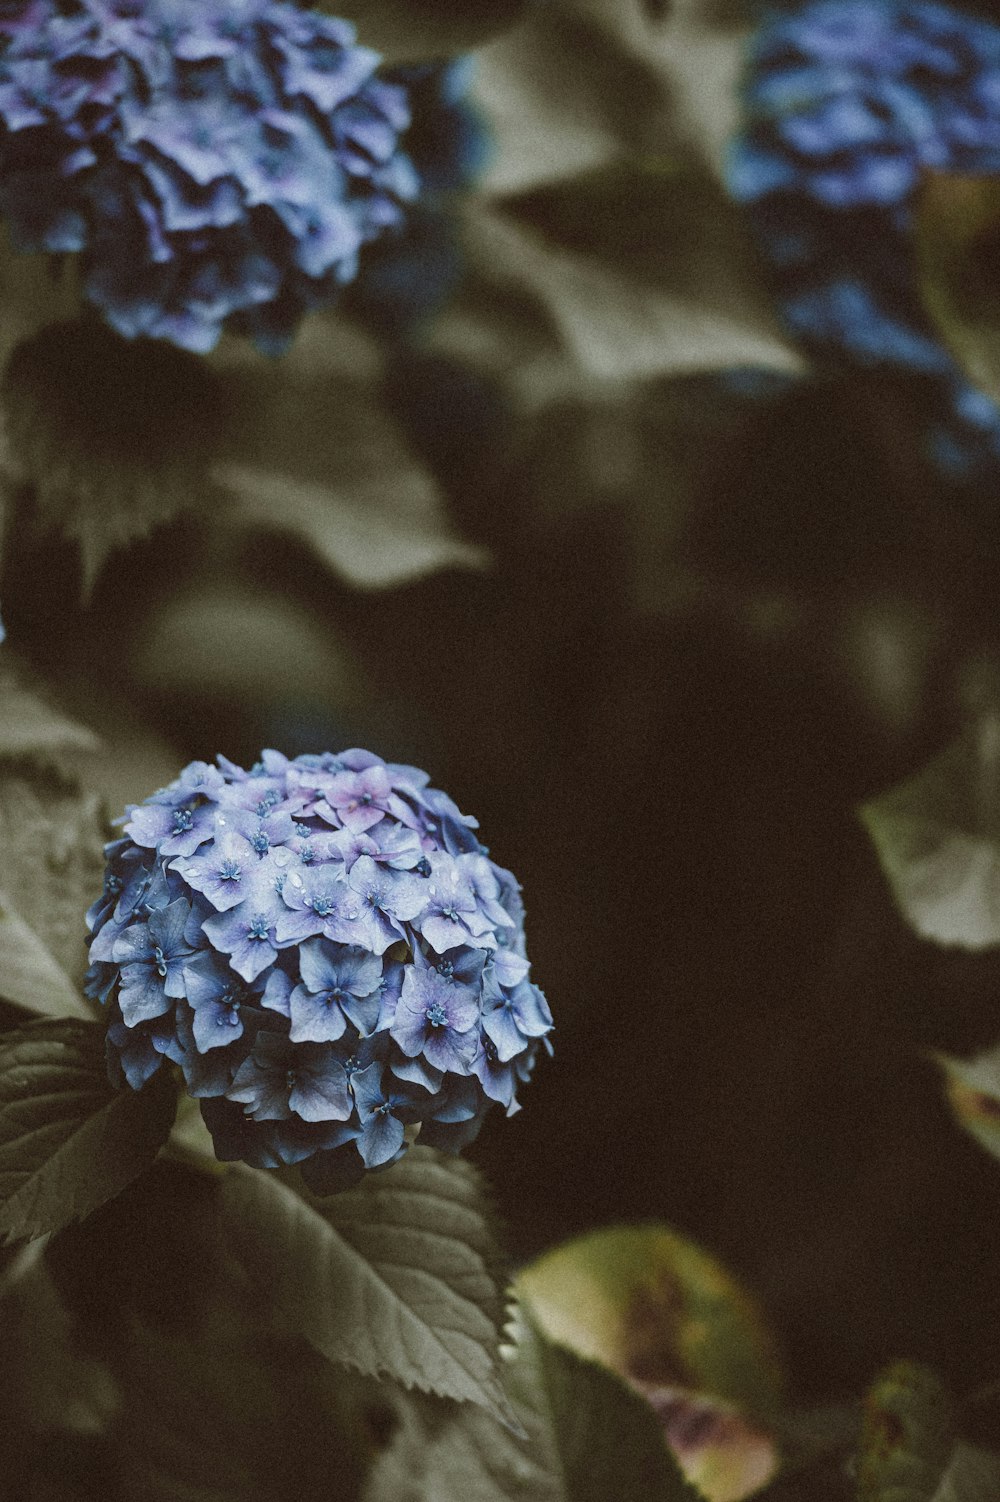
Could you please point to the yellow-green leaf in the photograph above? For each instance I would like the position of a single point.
(957, 239)
(907, 1436)
(659, 1310)
(973, 1090)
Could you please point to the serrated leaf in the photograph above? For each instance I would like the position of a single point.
(51, 861)
(907, 1436)
(92, 422)
(657, 1309)
(29, 976)
(68, 1140)
(973, 1090)
(312, 452)
(938, 838)
(396, 1278)
(957, 234)
(52, 834)
(587, 1438)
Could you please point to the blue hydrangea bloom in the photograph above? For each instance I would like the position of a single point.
(848, 104)
(213, 162)
(328, 954)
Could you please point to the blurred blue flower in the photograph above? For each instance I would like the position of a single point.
(214, 162)
(324, 986)
(848, 104)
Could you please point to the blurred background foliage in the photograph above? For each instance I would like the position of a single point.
(656, 598)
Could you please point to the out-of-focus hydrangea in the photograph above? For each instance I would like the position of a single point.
(848, 104)
(214, 162)
(325, 949)
(410, 273)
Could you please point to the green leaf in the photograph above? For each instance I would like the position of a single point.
(720, 1451)
(54, 1382)
(973, 1090)
(587, 1438)
(957, 236)
(972, 1475)
(33, 730)
(396, 1278)
(68, 1140)
(578, 85)
(224, 1414)
(561, 95)
(312, 452)
(57, 1397)
(210, 1406)
(51, 861)
(938, 839)
(91, 422)
(29, 976)
(409, 30)
(670, 286)
(907, 1436)
(52, 834)
(656, 1309)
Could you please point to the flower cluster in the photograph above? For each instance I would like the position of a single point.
(214, 162)
(849, 103)
(325, 949)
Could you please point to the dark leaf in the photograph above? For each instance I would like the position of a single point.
(648, 270)
(68, 1140)
(312, 452)
(92, 423)
(587, 1438)
(405, 30)
(53, 1383)
(625, 314)
(212, 1405)
(396, 1278)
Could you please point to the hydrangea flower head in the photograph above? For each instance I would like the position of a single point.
(326, 951)
(849, 104)
(214, 162)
